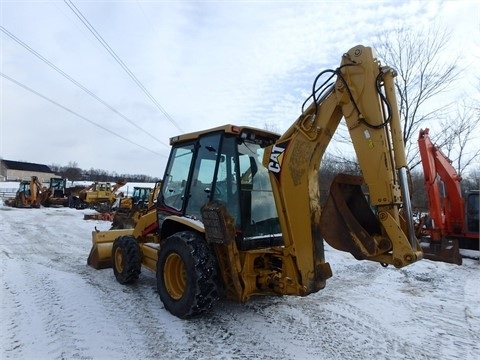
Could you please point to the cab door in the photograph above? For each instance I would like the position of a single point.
(174, 185)
(189, 177)
(202, 174)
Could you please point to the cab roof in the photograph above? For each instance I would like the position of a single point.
(247, 131)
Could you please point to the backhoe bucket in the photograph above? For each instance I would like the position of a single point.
(347, 222)
(435, 247)
(446, 250)
(100, 256)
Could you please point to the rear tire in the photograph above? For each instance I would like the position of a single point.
(126, 259)
(186, 275)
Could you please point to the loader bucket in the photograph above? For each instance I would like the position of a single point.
(96, 261)
(445, 250)
(100, 256)
(347, 222)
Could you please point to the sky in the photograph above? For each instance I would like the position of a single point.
(179, 66)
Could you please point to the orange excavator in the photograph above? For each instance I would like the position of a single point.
(453, 221)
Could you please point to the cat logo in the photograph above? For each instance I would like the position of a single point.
(276, 158)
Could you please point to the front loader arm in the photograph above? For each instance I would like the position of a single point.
(364, 96)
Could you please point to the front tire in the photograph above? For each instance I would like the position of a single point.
(186, 275)
(126, 259)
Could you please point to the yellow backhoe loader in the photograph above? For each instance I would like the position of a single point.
(139, 198)
(132, 208)
(239, 213)
(56, 194)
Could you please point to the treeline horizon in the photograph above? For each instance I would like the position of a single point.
(75, 173)
(330, 167)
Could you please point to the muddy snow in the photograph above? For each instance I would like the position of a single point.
(53, 306)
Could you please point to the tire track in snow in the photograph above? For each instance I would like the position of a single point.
(292, 332)
(63, 323)
(107, 319)
(36, 225)
(136, 310)
(232, 331)
(11, 344)
(417, 296)
(112, 311)
(449, 324)
(51, 325)
(324, 326)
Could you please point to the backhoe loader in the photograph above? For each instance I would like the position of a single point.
(30, 194)
(56, 194)
(239, 214)
(132, 208)
(139, 198)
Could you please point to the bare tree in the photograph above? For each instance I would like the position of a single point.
(472, 182)
(72, 171)
(331, 166)
(424, 72)
(458, 133)
(270, 126)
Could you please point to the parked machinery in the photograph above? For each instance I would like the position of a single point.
(30, 194)
(453, 221)
(131, 208)
(239, 214)
(56, 194)
(99, 196)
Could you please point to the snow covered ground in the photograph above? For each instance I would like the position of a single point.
(53, 306)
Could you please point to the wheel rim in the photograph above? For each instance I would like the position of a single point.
(174, 276)
(118, 260)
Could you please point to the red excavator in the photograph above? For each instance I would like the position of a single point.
(453, 220)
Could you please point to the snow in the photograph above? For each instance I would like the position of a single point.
(54, 306)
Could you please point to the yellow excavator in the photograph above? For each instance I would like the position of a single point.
(239, 213)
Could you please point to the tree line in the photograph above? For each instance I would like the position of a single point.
(73, 173)
(330, 167)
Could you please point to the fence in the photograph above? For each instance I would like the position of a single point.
(8, 193)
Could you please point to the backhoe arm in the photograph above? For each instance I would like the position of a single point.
(364, 96)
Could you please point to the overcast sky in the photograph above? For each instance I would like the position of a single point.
(205, 63)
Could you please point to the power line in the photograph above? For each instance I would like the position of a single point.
(90, 27)
(68, 77)
(76, 114)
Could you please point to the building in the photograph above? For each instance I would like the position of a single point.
(19, 170)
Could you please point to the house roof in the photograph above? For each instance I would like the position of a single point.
(25, 166)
